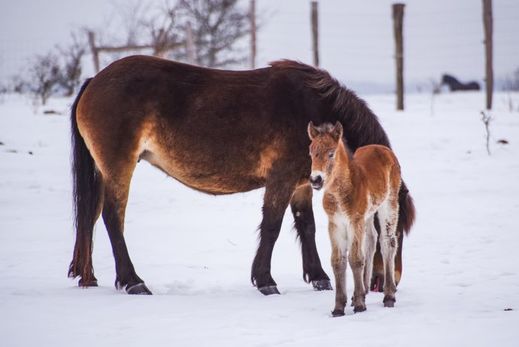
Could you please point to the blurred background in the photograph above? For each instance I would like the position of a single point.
(61, 42)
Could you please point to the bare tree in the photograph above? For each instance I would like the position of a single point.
(43, 76)
(163, 31)
(204, 32)
(217, 25)
(145, 29)
(17, 84)
(70, 71)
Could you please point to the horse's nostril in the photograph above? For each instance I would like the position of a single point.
(316, 179)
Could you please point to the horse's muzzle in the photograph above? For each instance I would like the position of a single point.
(316, 182)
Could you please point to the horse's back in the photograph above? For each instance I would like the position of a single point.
(372, 156)
(379, 165)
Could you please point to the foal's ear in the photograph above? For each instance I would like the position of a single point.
(312, 130)
(337, 131)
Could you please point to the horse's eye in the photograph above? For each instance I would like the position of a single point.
(330, 154)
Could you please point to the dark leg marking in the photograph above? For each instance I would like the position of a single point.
(113, 216)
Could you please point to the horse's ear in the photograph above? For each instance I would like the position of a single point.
(312, 130)
(337, 131)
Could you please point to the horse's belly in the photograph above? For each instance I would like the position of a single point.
(203, 176)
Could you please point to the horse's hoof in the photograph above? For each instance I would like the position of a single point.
(90, 283)
(322, 285)
(269, 290)
(389, 301)
(337, 313)
(138, 289)
(359, 308)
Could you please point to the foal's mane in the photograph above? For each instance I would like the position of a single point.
(360, 123)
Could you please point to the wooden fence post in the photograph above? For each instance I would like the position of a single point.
(489, 72)
(252, 14)
(93, 50)
(398, 23)
(315, 32)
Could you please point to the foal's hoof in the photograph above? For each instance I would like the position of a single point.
(322, 285)
(389, 301)
(269, 290)
(89, 283)
(337, 313)
(138, 289)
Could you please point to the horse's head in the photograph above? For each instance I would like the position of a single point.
(325, 139)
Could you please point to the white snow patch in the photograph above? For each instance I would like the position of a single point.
(195, 251)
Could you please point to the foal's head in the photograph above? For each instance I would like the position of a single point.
(325, 139)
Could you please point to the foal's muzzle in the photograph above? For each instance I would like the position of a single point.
(316, 181)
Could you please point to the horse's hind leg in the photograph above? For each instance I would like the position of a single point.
(115, 200)
(116, 178)
(388, 214)
(301, 205)
(377, 279)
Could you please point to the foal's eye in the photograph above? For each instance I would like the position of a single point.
(330, 154)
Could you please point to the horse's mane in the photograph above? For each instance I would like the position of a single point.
(361, 126)
(360, 123)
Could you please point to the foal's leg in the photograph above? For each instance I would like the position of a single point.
(301, 205)
(388, 213)
(377, 276)
(277, 196)
(377, 279)
(357, 262)
(339, 251)
(115, 200)
(370, 248)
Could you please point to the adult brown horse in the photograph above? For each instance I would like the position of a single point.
(219, 132)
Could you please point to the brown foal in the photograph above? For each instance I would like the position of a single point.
(358, 188)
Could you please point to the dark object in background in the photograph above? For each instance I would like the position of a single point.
(455, 85)
(52, 112)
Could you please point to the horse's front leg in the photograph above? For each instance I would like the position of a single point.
(339, 251)
(301, 205)
(275, 202)
(357, 263)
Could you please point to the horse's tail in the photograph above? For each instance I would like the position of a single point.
(87, 195)
(407, 212)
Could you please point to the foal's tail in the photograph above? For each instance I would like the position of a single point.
(87, 195)
(407, 212)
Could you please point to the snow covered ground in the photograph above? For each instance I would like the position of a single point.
(195, 251)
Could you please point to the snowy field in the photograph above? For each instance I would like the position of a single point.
(460, 283)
